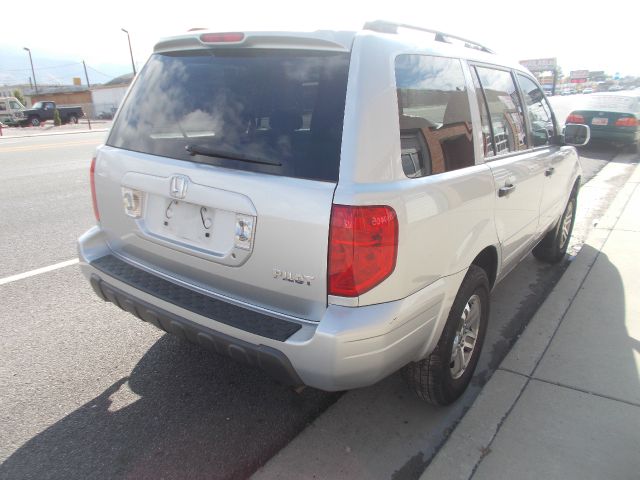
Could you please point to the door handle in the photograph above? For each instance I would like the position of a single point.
(549, 171)
(506, 190)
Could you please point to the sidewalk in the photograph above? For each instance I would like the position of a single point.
(49, 129)
(565, 402)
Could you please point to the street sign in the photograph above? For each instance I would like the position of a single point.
(575, 74)
(540, 64)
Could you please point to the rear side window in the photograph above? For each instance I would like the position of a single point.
(270, 111)
(540, 118)
(505, 110)
(434, 115)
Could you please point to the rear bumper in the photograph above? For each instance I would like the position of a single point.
(274, 362)
(617, 136)
(350, 347)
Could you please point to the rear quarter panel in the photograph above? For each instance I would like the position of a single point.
(445, 220)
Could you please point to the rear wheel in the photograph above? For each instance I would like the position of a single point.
(73, 119)
(445, 374)
(553, 246)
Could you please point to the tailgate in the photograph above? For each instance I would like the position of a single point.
(254, 238)
(220, 171)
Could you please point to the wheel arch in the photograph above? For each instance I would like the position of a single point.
(576, 185)
(487, 259)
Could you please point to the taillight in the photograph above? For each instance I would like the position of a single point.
(92, 174)
(627, 122)
(363, 246)
(575, 118)
(227, 37)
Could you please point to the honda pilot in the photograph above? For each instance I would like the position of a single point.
(330, 207)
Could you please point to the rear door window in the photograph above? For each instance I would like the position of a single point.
(270, 111)
(434, 115)
(505, 110)
(539, 111)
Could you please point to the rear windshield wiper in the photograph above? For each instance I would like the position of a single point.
(226, 154)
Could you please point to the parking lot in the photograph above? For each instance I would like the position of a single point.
(87, 391)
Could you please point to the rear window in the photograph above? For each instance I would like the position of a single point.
(270, 111)
(612, 103)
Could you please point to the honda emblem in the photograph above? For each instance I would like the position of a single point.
(178, 186)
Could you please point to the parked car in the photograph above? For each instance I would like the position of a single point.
(11, 111)
(612, 117)
(587, 90)
(329, 206)
(43, 111)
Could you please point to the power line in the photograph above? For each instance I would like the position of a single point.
(99, 72)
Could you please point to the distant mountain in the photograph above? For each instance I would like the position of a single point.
(15, 69)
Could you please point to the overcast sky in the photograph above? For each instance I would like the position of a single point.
(581, 36)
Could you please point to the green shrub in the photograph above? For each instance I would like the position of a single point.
(56, 118)
(19, 97)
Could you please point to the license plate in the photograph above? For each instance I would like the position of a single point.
(600, 121)
(188, 221)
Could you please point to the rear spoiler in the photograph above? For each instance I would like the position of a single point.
(319, 40)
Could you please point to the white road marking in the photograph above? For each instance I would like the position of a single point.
(37, 271)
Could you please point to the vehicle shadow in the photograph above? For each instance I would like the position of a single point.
(182, 413)
(596, 345)
(599, 150)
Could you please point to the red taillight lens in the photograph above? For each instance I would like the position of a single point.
(228, 37)
(627, 122)
(575, 118)
(92, 174)
(363, 246)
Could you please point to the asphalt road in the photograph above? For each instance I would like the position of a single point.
(87, 391)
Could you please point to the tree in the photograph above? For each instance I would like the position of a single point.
(19, 97)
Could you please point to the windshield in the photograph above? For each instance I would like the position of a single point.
(270, 111)
(37, 105)
(613, 103)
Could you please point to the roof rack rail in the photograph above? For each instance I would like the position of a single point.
(384, 26)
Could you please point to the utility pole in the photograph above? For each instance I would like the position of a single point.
(133, 65)
(88, 86)
(33, 72)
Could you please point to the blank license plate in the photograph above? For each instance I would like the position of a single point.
(188, 221)
(600, 121)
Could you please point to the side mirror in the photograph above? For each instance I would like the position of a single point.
(576, 134)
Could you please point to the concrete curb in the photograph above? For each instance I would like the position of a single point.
(470, 441)
(69, 132)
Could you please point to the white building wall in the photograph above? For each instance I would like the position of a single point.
(106, 98)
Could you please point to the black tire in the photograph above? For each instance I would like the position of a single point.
(433, 378)
(73, 119)
(553, 246)
(34, 121)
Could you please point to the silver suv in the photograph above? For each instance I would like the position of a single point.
(329, 206)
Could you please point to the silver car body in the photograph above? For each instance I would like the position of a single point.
(445, 222)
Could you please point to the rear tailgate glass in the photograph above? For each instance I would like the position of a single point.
(610, 103)
(269, 111)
